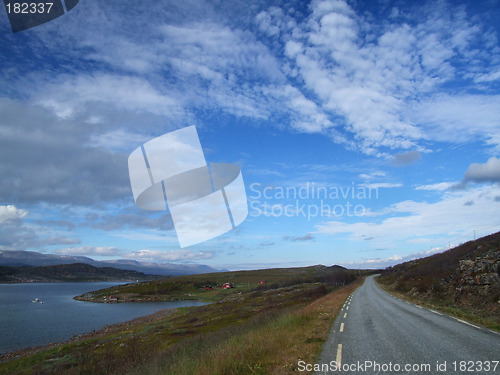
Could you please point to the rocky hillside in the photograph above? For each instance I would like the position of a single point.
(467, 277)
(477, 280)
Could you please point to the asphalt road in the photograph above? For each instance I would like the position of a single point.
(376, 333)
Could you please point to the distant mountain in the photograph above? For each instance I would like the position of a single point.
(68, 272)
(18, 258)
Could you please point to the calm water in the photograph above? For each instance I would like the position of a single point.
(25, 324)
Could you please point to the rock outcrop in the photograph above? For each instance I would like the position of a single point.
(478, 280)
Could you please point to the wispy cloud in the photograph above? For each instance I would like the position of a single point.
(89, 251)
(440, 186)
(380, 263)
(409, 219)
(17, 234)
(383, 185)
(169, 256)
(368, 73)
(306, 237)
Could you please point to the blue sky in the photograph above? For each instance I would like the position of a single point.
(394, 100)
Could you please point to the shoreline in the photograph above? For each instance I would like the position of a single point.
(137, 299)
(9, 356)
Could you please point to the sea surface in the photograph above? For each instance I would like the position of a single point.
(24, 323)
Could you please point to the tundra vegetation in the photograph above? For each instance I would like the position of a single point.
(463, 281)
(250, 329)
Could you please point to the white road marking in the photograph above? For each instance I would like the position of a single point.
(341, 327)
(419, 306)
(345, 315)
(347, 308)
(469, 324)
(435, 312)
(339, 354)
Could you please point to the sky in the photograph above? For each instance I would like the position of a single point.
(367, 132)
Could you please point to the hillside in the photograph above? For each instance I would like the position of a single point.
(465, 279)
(68, 272)
(19, 258)
(192, 287)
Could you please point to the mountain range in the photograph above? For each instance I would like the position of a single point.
(19, 258)
(68, 272)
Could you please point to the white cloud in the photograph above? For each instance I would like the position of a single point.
(379, 263)
(459, 118)
(384, 185)
(89, 251)
(447, 217)
(17, 234)
(440, 186)
(169, 256)
(292, 48)
(118, 140)
(305, 115)
(374, 263)
(336, 69)
(68, 94)
(11, 212)
(368, 74)
(488, 77)
(371, 176)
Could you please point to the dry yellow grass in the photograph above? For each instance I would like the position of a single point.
(268, 345)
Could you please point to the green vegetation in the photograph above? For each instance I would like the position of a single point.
(263, 329)
(463, 281)
(191, 287)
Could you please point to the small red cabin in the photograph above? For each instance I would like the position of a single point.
(228, 285)
(262, 282)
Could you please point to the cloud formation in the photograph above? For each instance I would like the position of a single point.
(452, 215)
(406, 158)
(306, 237)
(378, 83)
(487, 172)
(89, 251)
(368, 74)
(169, 256)
(17, 234)
(11, 212)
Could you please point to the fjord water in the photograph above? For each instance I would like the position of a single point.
(24, 323)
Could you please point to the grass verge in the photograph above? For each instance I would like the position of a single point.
(446, 308)
(271, 343)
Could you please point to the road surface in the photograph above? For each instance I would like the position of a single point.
(376, 333)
